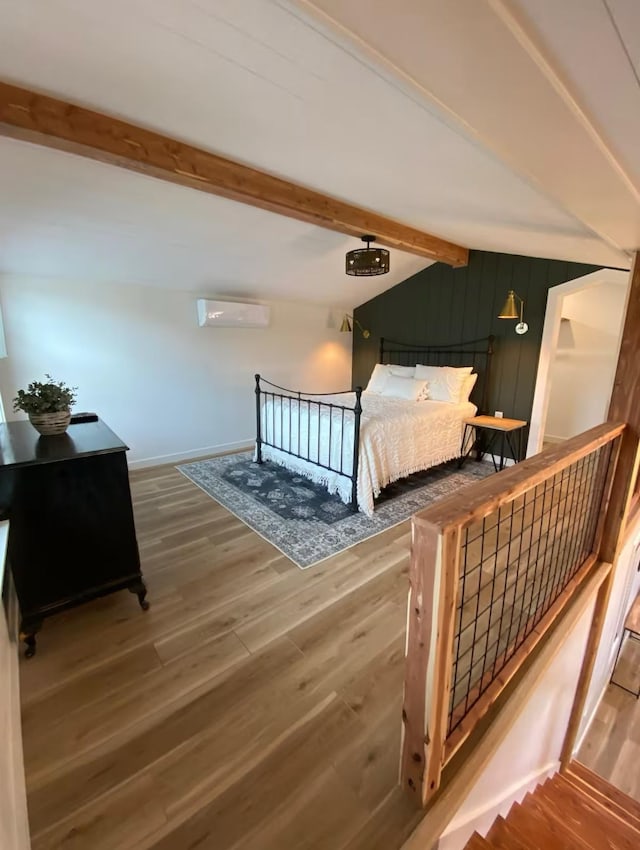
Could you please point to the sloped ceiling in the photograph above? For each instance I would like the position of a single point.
(443, 116)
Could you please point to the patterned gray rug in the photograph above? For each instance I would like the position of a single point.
(301, 519)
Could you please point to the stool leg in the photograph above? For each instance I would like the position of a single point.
(615, 663)
(490, 447)
(515, 448)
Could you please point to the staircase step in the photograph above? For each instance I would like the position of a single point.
(503, 836)
(588, 821)
(574, 811)
(575, 834)
(601, 789)
(592, 804)
(534, 830)
(477, 842)
(564, 837)
(613, 808)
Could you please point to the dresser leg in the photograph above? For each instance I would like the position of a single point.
(140, 589)
(28, 636)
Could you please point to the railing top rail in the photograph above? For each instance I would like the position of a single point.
(482, 498)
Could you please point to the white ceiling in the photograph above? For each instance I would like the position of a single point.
(65, 216)
(442, 120)
(507, 84)
(595, 48)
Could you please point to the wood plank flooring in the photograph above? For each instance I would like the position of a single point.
(611, 747)
(254, 706)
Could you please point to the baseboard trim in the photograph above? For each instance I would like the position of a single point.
(241, 445)
(552, 438)
(508, 461)
(586, 724)
(179, 457)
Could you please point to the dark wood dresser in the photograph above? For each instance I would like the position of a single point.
(71, 534)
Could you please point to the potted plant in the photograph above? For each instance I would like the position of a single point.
(48, 405)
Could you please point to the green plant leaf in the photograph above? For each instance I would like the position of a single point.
(45, 397)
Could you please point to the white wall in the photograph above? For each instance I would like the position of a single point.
(14, 828)
(625, 588)
(583, 366)
(169, 388)
(531, 749)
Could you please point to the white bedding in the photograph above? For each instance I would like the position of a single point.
(397, 438)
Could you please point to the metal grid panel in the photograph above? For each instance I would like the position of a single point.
(514, 565)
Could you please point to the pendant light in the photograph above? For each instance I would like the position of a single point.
(366, 262)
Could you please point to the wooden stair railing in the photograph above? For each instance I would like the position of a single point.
(492, 569)
(575, 811)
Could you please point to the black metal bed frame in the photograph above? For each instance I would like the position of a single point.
(309, 400)
(293, 402)
(476, 353)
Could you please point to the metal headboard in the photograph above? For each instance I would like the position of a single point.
(476, 353)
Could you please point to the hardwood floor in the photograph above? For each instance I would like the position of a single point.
(254, 706)
(611, 747)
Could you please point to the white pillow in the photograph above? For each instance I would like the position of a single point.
(467, 385)
(402, 371)
(378, 378)
(445, 382)
(408, 389)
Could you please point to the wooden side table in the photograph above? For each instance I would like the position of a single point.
(504, 430)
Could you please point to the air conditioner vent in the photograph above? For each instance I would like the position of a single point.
(232, 314)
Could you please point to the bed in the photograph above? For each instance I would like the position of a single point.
(356, 442)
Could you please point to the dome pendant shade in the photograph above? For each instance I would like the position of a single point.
(510, 310)
(366, 262)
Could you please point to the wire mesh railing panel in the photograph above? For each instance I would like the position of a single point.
(514, 564)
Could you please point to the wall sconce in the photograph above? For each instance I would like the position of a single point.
(346, 327)
(510, 311)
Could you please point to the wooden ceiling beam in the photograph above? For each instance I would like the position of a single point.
(53, 123)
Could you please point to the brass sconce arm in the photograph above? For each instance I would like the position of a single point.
(347, 326)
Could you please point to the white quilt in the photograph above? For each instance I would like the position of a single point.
(397, 438)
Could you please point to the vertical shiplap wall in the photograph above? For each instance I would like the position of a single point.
(441, 305)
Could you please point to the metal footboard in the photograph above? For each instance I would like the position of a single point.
(284, 421)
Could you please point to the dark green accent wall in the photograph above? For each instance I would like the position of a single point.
(442, 305)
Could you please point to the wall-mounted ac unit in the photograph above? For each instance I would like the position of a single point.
(232, 314)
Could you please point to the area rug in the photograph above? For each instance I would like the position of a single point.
(301, 519)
